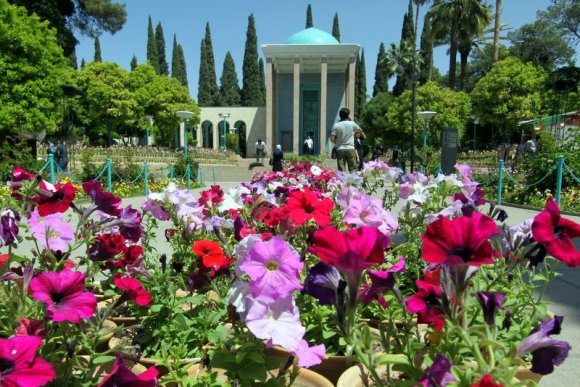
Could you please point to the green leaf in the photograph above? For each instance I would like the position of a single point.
(103, 359)
(253, 372)
(156, 308)
(218, 335)
(392, 359)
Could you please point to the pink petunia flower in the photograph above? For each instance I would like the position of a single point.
(65, 296)
(556, 233)
(273, 267)
(309, 356)
(30, 327)
(133, 289)
(425, 303)
(51, 231)
(122, 376)
(19, 365)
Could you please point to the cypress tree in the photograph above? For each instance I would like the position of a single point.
(175, 63)
(182, 66)
(133, 62)
(73, 60)
(202, 95)
(309, 17)
(426, 50)
(336, 27)
(152, 57)
(83, 63)
(251, 90)
(408, 37)
(207, 86)
(98, 57)
(381, 72)
(229, 94)
(160, 43)
(360, 85)
(262, 81)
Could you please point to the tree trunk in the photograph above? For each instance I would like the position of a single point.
(453, 54)
(496, 31)
(463, 55)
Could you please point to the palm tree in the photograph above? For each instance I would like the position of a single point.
(496, 30)
(473, 20)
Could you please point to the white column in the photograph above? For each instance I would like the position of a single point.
(269, 104)
(350, 85)
(181, 134)
(216, 135)
(198, 136)
(323, 101)
(296, 108)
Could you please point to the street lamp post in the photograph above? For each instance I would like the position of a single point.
(149, 119)
(224, 116)
(185, 116)
(475, 122)
(426, 116)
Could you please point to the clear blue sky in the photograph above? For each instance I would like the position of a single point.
(367, 22)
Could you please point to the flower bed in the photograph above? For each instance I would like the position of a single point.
(402, 275)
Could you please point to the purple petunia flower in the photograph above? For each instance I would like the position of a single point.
(129, 223)
(490, 303)
(322, 282)
(438, 375)
(103, 201)
(277, 321)
(8, 226)
(546, 352)
(381, 282)
(309, 356)
(274, 268)
(51, 231)
(154, 205)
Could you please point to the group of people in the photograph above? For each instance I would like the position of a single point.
(59, 153)
(346, 136)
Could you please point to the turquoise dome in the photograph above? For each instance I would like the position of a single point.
(312, 36)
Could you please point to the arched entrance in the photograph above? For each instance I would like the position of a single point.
(241, 129)
(207, 134)
(223, 129)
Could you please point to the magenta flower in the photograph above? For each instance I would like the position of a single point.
(9, 226)
(103, 201)
(556, 234)
(130, 224)
(462, 240)
(274, 269)
(51, 231)
(381, 282)
(309, 356)
(122, 376)
(65, 296)
(426, 304)
(546, 352)
(277, 321)
(19, 365)
(439, 374)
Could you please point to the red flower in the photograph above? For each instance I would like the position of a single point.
(133, 289)
(19, 365)
(556, 233)
(211, 197)
(65, 296)
(486, 381)
(107, 246)
(210, 252)
(54, 198)
(350, 251)
(3, 258)
(462, 240)
(303, 206)
(425, 302)
(433, 276)
(122, 376)
(18, 176)
(30, 327)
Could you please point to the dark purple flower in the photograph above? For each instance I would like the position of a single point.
(546, 352)
(381, 282)
(8, 226)
(490, 303)
(438, 375)
(321, 283)
(103, 201)
(130, 224)
(238, 226)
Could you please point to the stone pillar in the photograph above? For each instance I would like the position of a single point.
(216, 135)
(350, 85)
(323, 102)
(181, 132)
(198, 136)
(296, 107)
(269, 104)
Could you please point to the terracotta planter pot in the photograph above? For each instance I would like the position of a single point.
(358, 376)
(524, 374)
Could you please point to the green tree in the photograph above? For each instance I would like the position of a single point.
(251, 90)
(98, 57)
(360, 86)
(83, 63)
(407, 38)
(178, 70)
(182, 65)
(88, 17)
(161, 56)
(336, 27)
(207, 86)
(309, 17)
(374, 117)
(541, 43)
(111, 104)
(381, 72)
(510, 92)
(133, 63)
(473, 20)
(152, 56)
(262, 81)
(161, 97)
(229, 94)
(565, 15)
(453, 110)
(32, 67)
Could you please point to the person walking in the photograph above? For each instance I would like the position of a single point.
(342, 135)
(62, 156)
(308, 148)
(260, 151)
(359, 136)
(277, 158)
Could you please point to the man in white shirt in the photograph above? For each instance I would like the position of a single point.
(342, 135)
(308, 145)
(260, 150)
